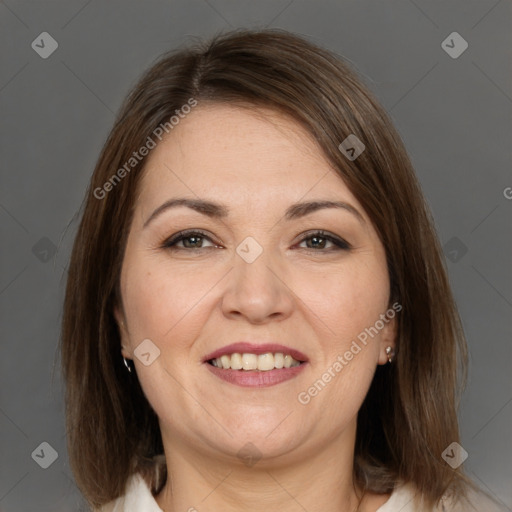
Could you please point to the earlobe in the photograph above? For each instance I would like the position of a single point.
(387, 354)
(388, 343)
(120, 319)
(119, 316)
(125, 353)
(390, 353)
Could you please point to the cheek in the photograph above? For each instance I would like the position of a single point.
(347, 300)
(346, 303)
(164, 305)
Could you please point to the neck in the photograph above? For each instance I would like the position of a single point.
(321, 479)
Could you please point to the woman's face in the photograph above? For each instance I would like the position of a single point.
(257, 273)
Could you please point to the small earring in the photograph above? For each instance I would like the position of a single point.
(127, 365)
(390, 352)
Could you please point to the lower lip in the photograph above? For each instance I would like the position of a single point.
(254, 378)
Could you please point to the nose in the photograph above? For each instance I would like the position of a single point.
(257, 291)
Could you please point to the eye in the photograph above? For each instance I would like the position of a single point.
(319, 240)
(190, 240)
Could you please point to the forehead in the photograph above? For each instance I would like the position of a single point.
(234, 153)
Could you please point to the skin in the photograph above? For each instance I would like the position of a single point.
(192, 301)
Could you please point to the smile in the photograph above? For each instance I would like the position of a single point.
(255, 364)
(250, 362)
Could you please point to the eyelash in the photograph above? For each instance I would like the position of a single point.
(170, 243)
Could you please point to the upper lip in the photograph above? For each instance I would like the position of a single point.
(245, 347)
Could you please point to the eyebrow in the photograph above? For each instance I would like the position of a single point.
(216, 210)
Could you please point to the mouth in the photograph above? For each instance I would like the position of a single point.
(255, 362)
(250, 365)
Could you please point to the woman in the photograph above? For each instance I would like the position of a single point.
(257, 312)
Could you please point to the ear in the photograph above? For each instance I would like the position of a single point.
(387, 339)
(123, 330)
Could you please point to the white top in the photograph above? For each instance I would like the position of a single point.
(138, 498)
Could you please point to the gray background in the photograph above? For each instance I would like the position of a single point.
(454, 116)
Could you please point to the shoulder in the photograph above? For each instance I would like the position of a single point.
(137, 497)
(404, 493)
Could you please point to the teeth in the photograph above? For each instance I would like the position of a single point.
(236, 362)
(265, 362)
(261, 362)
(249, 361)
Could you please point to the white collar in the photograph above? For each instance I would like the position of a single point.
(138, 498)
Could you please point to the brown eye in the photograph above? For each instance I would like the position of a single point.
(319, 240)
(189, 240)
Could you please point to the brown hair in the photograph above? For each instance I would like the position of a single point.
(409, 416)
